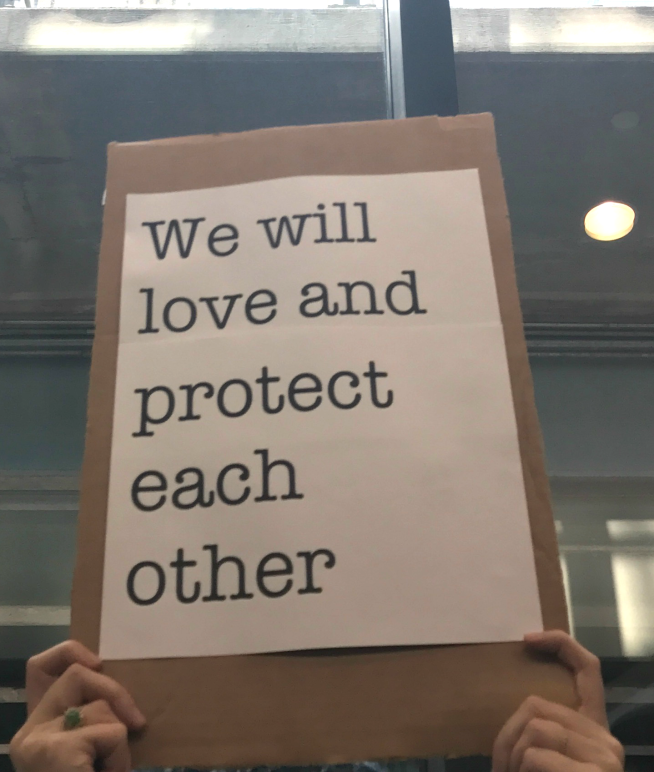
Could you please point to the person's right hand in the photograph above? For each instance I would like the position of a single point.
(108, 714)
(543, 736)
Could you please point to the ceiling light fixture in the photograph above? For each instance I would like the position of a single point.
(609, 221)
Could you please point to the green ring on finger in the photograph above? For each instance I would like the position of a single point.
(72, 718)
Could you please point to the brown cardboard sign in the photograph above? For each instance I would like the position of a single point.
(346, 695)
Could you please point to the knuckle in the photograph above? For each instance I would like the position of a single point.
(29, 743)
(534, 704)
(15, 745)
(73, 651)
(32, 666)
(57, 742)
(98, 711)
(529, 760)
(75, 671)
(103, 706)
(119, 734)
(535, 728)
(594, 662)
(615, 746)
(35, 750)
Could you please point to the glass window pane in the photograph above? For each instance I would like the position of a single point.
(76, 75)
(74, 78)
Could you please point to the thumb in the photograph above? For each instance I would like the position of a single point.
(584, 666)
(108, 744)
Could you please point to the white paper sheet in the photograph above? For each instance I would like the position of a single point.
(406, 521)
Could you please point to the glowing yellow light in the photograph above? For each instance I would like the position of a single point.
(609, 221)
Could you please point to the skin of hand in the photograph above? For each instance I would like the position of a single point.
(108, 715)
(45, 668)
(543, 736)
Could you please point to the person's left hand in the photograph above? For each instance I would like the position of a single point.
(45, 668)
(106, 713)
(543, 736)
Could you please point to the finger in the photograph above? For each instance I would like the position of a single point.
(46, 667)
(108, 744)
(584, 665)
(543, 760)
(55, 661)
(98, 712)
(540, 733)
(45, 728)
(78, 686)
(537, 707)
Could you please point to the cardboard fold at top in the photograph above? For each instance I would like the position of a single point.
(313, 707)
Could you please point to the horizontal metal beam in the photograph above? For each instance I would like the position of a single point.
(7, 694)
(595, 30)
(75, 338)
(179, 31)
(592, 340)
(169, 28)
(30, 616)
(46, 482)
(46, 338)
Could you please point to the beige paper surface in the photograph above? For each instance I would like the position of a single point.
(312, 707)
(374, 542)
